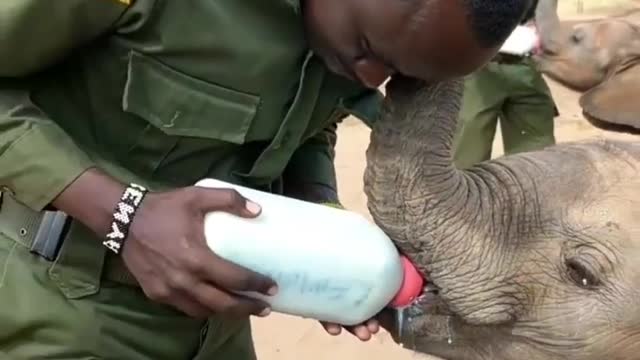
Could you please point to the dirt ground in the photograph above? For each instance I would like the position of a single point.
(287, 338)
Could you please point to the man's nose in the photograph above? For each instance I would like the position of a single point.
(372, 73)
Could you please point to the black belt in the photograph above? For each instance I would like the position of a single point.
(502, 58)
(24, 226)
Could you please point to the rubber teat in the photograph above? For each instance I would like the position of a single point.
(412, 285)
(537, 49)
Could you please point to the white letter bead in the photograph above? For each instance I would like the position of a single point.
(134, 195)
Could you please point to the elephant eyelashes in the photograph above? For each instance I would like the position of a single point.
(580, 274)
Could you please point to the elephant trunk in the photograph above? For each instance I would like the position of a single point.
(451, 223)
(409, 158)
(548, 24)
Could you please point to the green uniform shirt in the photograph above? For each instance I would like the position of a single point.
(165, 93)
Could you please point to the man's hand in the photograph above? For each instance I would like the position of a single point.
(166, 250)
(385, 320)
(167, 253)
(364, 331)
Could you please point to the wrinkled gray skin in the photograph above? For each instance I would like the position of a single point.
(531, 256)
(600, 58)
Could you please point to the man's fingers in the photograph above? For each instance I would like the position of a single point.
(361, 332)
(228, 275)
(332, 329)
(373, 326)
(222, 302)
(191, 308)
(364, 332)
(227, 200)
(201, 299)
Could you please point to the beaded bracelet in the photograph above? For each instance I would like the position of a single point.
(123, 216)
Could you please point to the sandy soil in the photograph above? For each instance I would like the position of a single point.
(287, 338)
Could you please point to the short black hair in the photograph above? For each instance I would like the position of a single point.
(493, 21)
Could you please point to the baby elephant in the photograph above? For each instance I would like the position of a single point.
(600, 58)
(531, 256)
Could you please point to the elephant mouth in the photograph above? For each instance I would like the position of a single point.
(427, 319)
(557, 66)
(545, 56)
(431, 302)
(429, 326)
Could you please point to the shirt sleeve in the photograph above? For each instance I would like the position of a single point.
(37, 158)
(312, 170)
(311, 173)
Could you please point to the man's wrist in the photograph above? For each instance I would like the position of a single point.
(123, 215)
(91, 199)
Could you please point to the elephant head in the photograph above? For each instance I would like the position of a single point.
(531, 256)
(600, 58)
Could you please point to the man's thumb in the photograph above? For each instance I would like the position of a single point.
(228, 200)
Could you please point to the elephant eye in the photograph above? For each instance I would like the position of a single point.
(580, 274)
(577, 36)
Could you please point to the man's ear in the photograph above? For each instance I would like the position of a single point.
(614, 105)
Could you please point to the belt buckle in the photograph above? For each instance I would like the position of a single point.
(51, 231)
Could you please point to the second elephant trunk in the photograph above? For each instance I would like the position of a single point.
(548, 24)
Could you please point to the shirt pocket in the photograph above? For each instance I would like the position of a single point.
(181, 105)
(185, 116)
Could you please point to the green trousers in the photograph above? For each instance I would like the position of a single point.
(515, 93)
(68, 309)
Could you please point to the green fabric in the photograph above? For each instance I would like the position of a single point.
(115, 323)
(163, 93)
(39, 33)
(517, 95)
(334, 205)
(37, 159)
(157, 99)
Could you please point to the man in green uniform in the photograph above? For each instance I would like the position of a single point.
(110, 110)
(511, 89)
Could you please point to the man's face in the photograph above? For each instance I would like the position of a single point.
(370, 40)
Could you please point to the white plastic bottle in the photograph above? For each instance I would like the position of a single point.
(330, 264)
(522, 41)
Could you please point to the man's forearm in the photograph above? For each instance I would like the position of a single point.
(91, 199)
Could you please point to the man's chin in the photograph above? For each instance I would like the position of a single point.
(340, 71)
(336, 67)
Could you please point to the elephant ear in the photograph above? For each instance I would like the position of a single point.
(614, 104)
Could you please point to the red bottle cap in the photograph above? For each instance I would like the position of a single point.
(412, 285)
